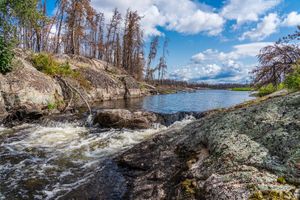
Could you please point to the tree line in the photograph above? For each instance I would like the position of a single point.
(194, 85)
(77, 28)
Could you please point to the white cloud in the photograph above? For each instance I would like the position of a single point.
(250, 49)
(184, 16)
(194, 71)
(292, 19)
(216, 66)
(266, 27)
(197, 22)
(247, 10)
(238, 52)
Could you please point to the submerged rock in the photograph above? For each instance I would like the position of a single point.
(242, 153)
(121, 118)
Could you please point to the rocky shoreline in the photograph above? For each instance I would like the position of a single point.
(36, 94)
(25, 91)
(251, 151)
(246, 152)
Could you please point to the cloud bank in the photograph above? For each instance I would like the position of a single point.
(216, 66)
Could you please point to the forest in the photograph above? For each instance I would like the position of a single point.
(77, 28)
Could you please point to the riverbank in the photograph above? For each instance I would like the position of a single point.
(34, 89)
(250, 151)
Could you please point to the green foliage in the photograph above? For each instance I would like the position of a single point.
(46, 64)
(292, 81)
(265, 90)
(52, 106)
(281, 180)
(281, 86)
(242, 89)
(15, 13)
(6, 56)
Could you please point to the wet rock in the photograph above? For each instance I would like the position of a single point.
(121, 118)
(168, 119)
(21, 115)
(107, 183)
(236, 154)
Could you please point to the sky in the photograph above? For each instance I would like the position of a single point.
(214, 41)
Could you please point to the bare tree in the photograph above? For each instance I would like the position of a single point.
(152, 54)
(162, 66)
(111, 35)
(100, 38)
(276, 62)
(78, 13)
(132, 42)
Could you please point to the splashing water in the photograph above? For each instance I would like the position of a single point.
(38, 162)
(89, 120)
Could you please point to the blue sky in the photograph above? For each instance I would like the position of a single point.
(213, 41)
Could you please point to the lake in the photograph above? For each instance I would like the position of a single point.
(198, 101)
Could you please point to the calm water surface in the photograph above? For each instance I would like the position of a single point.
(200, 100)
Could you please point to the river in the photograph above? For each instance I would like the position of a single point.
(45, 161)
(197, 101)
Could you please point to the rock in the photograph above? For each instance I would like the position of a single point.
(233, 154)
(168, 119)
(121, 118)
(22, 115)
(27, 88)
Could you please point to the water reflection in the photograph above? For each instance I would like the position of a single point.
(201, 100)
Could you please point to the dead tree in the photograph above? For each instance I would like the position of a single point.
(276, 62)
(151, 56)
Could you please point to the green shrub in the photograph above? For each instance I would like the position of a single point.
(52, 106)
(265, 90)
(242, 89)
(46, 64)
(281, 180)
(292, 81)
(6, 56)
(281, 86)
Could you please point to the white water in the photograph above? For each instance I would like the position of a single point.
(40, 162)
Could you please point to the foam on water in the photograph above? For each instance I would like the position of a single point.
(44, 162)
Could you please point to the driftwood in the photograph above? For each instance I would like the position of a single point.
(73, 89)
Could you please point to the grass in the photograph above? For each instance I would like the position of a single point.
(291, 82)
(242, 89)
(269, 89)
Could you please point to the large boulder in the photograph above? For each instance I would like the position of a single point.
(26, 87)
(121, 118)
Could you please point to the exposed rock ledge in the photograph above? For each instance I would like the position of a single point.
(31, 91)
(251, 152)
